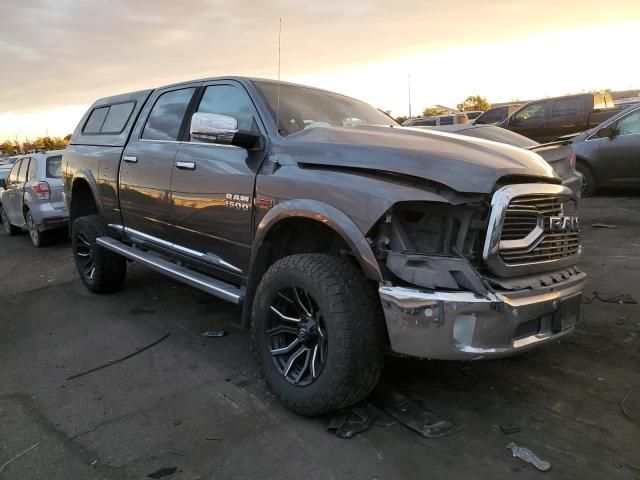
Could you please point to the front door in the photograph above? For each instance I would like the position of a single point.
(530, 121)
(147, 163)
(17, 179)
(213, 185)
(620, 155)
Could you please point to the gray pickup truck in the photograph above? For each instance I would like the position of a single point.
(342, 235)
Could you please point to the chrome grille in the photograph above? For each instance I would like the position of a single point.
(529, 215)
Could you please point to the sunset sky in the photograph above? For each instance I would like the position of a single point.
(57, 56)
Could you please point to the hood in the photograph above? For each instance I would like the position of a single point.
(464, 164)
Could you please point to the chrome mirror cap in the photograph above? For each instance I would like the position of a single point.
(213, 128)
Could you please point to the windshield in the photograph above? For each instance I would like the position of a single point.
(303, 107)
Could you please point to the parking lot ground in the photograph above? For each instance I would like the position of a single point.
(196, 406)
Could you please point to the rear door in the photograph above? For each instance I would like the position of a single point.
(147, 163)
(212, 187)
(565, 116)
(530, 121)
(620, 155)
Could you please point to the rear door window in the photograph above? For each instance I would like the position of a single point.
(446, 120)
(95, 120)
(167, 114)
(565, 109)
(54, 166)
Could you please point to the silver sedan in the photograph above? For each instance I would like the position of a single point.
(31, 198)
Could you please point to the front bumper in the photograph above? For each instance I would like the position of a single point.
(467, 326)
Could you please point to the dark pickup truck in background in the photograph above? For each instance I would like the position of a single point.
(551, 118)
(341, 234)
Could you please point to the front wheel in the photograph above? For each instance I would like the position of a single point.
(317, 332)
(101, 270)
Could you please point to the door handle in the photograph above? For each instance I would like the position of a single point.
(186, 165)
(130, 159)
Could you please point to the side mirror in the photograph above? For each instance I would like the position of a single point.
(220, 129)
(3, 184)
(607, 132)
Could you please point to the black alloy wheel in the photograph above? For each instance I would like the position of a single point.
(85, 257)
(296, 337)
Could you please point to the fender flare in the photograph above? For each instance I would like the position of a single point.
(327, 215)
(86, 176)
(319, 212)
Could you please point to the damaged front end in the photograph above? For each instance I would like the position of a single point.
(481, 278)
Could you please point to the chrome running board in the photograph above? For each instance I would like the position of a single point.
(207, 284)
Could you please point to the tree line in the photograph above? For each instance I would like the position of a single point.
(15, 147)
(470, 104)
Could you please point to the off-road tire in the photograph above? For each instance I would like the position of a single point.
(109, 268)
(588, 187)
(38, 239)
(6, 224)
(354, 325)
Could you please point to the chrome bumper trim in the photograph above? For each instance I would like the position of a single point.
(466, 326)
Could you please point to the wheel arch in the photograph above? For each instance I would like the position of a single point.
(316, 217)
(83, 199)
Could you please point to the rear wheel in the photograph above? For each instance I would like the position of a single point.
(101, 270)
(317, 332)
(6, 224)
(38, 238)
(588, 186)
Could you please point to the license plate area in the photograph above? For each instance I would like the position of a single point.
(567, 314)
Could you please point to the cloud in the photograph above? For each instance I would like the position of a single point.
(59, 54)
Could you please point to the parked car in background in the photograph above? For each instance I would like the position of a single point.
(557, 154)
(547, 120)
(609, 154)
(496, 114)
(451, 119)
(341, 234)
(473, 114)
(6, 164)
(32, 197)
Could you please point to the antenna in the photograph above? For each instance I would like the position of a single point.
(278, 86)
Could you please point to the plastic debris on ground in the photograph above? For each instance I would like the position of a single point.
(348, 423)
(213, 333)
(528, 456)
(413, 415)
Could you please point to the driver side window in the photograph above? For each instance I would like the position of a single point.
(530, 114)
(230, 101)
(629, 125)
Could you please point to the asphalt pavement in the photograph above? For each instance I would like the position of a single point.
(192, 407)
